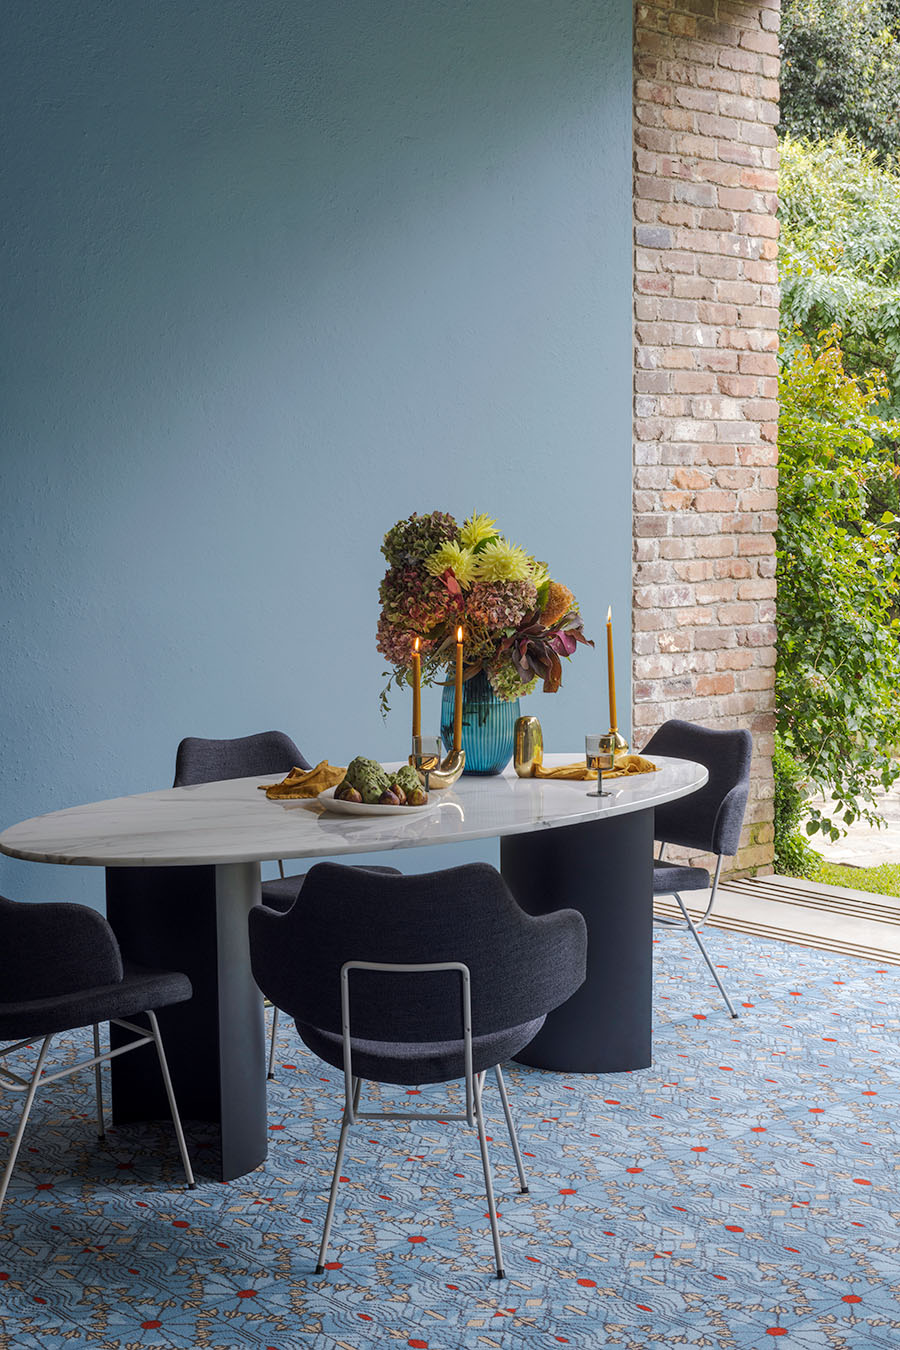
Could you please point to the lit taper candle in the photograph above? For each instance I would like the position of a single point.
(417, 690)
(457, 692)
(611, 665)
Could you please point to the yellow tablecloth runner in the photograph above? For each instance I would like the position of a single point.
(304, 782)
(580, 773)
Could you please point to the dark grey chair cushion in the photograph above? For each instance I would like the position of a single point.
(521, 965)
(62, 969)
(669, 877)
(138, 991)
(710, 819)
(416, 1063)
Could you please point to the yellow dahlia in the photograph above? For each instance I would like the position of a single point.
(502, 561)
(476, 529)
(539, 572)
(460, 561)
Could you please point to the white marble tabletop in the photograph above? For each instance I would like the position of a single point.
(232, 821)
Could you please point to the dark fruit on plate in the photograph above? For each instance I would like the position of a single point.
(388, 798)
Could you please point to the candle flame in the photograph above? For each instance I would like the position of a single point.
(609, 615)
(459, 634)
(416, 645)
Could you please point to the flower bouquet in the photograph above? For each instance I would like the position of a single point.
(518, 622)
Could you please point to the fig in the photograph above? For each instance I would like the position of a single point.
(388, 798)
(345, 792)
(417, 798)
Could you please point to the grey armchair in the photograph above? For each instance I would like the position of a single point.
(62, 969)
(452, 979)
(710, 819)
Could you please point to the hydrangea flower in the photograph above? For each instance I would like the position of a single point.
(518, 623)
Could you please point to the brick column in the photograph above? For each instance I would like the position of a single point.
(706, 327)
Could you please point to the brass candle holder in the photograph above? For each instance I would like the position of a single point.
(433, 771)
(620, 741)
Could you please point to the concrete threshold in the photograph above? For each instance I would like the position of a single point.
(806, 913)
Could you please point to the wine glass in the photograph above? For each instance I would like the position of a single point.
(426, 755)
(600, 754)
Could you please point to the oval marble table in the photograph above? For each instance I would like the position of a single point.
(183, 871)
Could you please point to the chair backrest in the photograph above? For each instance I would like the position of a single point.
(520, 966)
(710, 819)
(204, 761)
(53, 949)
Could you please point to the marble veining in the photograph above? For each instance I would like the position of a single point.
(233, 821)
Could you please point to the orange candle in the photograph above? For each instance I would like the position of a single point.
(457, 693)
(610, 662)
(417, 690)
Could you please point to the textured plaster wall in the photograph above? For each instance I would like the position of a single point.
(273, 276)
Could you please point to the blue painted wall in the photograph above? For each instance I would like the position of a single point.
(273, 276)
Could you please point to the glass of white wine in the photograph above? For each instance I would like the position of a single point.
(425, 755)
(600, 754)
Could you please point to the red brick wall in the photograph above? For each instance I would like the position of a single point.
(706, 338)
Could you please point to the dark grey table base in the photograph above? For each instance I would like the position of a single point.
(194, 919)
(603, 868)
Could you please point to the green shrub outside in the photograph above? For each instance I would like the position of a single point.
(793, 855)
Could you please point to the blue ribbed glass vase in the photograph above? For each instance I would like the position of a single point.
(488, 725)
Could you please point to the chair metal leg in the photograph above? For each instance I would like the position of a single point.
(510, 1125)
(488, 1183)
(173, 1107)
(699, 941)
(272, 1042)
(26, 1110)
(98, 1085)
(345, 1125)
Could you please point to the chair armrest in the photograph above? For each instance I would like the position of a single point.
(54, 949)
(548, 962)
(272, 955)
(726, 831)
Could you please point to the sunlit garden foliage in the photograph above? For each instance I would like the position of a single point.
(838, 671)
(838, 675)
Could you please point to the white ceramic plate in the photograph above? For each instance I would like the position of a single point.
(332, 803)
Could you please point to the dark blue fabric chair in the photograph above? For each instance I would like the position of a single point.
(415, 980)
(265, 752)
(709, 820)
(62, 969)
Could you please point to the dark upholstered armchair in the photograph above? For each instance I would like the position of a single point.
(414, 980)
(211, 761)
(709, 820)
(62, 969)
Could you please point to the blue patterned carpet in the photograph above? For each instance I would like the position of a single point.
(741, 1193)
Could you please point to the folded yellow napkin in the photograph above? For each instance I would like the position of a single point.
(580, 773)
(305, 782)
